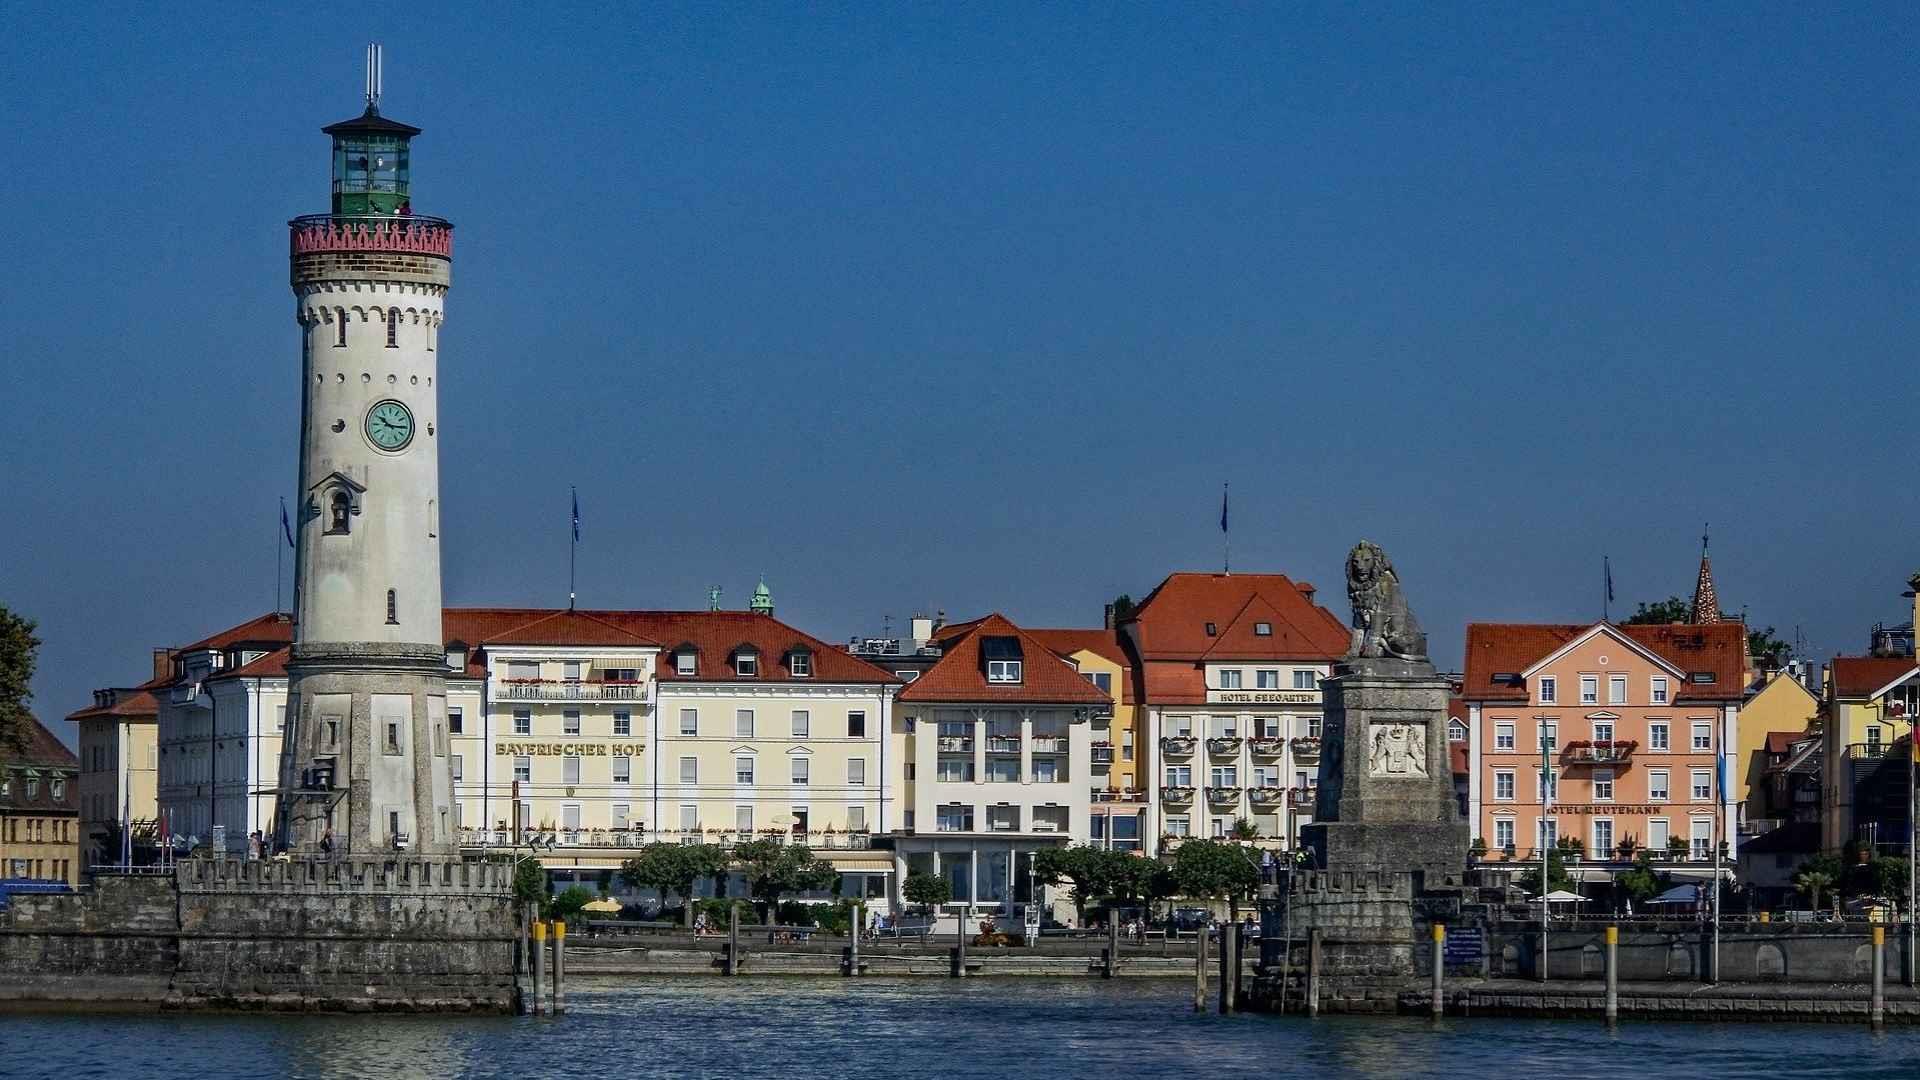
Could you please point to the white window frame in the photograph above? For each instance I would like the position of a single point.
(1603, 731)
(1502, 843)
(1660, 736)
(570, 722)
(1589, 689)
(686, 663)
(800, 665)
(523, 769)
(1699, 781)
(802, 724)
(1505, 785)
(1306, 679)
(1659, 786)
(743, 723)
(1616, 689)
(622, 724)
(857, 772)
(1003, 671)
(1548, 689)
(1266, 679)
(1701, 735)
(746, 665)
(523, 721)
(689, 769)
(1603, 785)
(689, 722)
(800, 771)
(1602, 849)
(1230, 679)
(743, 766)
(622, 768)
(1505, 735)
(1657, 690)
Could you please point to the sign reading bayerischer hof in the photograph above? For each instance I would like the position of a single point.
(562, 749)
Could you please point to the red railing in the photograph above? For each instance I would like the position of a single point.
(414, 235)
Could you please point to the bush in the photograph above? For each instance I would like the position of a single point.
(715, 910)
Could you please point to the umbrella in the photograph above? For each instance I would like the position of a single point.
(1679, 894)
(605, 904)
(1561, 896)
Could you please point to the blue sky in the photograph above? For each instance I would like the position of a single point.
(976, 308)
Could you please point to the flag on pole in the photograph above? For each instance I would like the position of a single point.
(1223, 507)
(576, 513)
(286, 524)
(1606, 564)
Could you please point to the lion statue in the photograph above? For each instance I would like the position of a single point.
(1383, 625)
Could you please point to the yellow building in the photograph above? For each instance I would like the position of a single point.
(1118, 814)
(39, 812)
(1870, 706)
(1781, 703)
(119, 762)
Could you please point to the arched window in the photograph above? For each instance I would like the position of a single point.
(393, 609)
(342, 507)
(339, 328)
(393, 328)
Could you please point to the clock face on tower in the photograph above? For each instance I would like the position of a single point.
(390, 425)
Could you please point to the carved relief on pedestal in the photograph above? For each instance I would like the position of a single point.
(1395, 749)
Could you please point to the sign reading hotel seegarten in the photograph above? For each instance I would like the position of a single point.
(1263, 697)
(564, 749)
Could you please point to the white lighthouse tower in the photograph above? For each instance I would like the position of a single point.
(365, 766)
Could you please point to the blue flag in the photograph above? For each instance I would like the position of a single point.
(286, 526)
(576, 514)
(1223, 508)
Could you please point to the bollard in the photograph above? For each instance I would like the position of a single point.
(1200, 970)
(1112, 963)
(539, 961)
(559, 966)
(853, 950)
(1877, 1011)
(956, 963)
(1439, 970)
(1613, 975)
(1313, 971)
(1227, 984)
(960, 947)
(1766, 917)
(733, 940)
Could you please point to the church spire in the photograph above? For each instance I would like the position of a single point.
(1706, 606)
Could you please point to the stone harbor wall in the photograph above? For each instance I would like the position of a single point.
(388, 934)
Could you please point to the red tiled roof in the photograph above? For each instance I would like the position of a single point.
(716, 634)
(270, 628)
(1511, 648)
(1858, 676)
(960, 675)
(1780, 742)
(131, 703)
(568, 628)
(41, 750)
(1105, 644)
(1170, 623)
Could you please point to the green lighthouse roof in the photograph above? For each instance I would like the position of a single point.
(370, 123)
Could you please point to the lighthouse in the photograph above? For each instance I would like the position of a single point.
(364, 767)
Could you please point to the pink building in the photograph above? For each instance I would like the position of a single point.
(1633, 720)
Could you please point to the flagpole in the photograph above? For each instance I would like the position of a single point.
(1546, 796)
(1226, 561)
(573, 546)
(278, 559)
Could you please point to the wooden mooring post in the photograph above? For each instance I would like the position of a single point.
(559, 966)
(1613, 975)
(539, 951)
(1439, 970)
(1313, 971)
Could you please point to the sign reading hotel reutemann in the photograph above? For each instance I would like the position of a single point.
(561, 749)
(1263, 697)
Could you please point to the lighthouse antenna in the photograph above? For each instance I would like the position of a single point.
(373, 75)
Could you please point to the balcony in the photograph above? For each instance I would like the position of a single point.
(1223, 794)
(1226, 746)
(1611, 752)
(1176, 793)
(1867, 751)
(1003, 744)
(1266, 747)
(1302, 796)
(570, 690)
(1049, 744)
(1306, 746)
(1177, 745)
(1102, 753)
(956, 744)
(1104, 796)
(1267, 793)
(415, 234)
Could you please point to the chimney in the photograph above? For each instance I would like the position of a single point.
(921, 628)
(939, 619)
(1106, 621)
(163, 663)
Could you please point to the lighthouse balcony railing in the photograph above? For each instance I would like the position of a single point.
(414, 234)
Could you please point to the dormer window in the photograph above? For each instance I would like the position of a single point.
(1263, 629)
(1002, 657)
(800, 664)
(746, 664)
(685, 662)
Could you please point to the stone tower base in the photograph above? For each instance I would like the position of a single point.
(393, 935)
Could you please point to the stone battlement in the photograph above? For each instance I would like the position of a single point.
(1351, 884)
(415, 876)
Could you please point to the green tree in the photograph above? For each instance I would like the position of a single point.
(1131, 878)
(774, 869)
(927, 890)
(1641, 882)
(1813, 882)
(19, 651)
(1123, 608)
(1216, 870)
(1082, 866)
(1661, 612)
(1557, 878)
(674, 868)
(1244, 828)
(569, 903)
(530, 882)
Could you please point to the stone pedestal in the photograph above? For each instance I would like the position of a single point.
(1386, 800)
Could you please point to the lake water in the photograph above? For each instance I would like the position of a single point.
(906, 1029)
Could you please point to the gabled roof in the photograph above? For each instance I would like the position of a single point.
(960, 676)
(271, 666)
(1170, 624)
(1601, 630)
(41, 749)
(274, 628)
(1870, 676)
(131, 704)
(1779, 742)
(1512, 648)
(716, 634)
